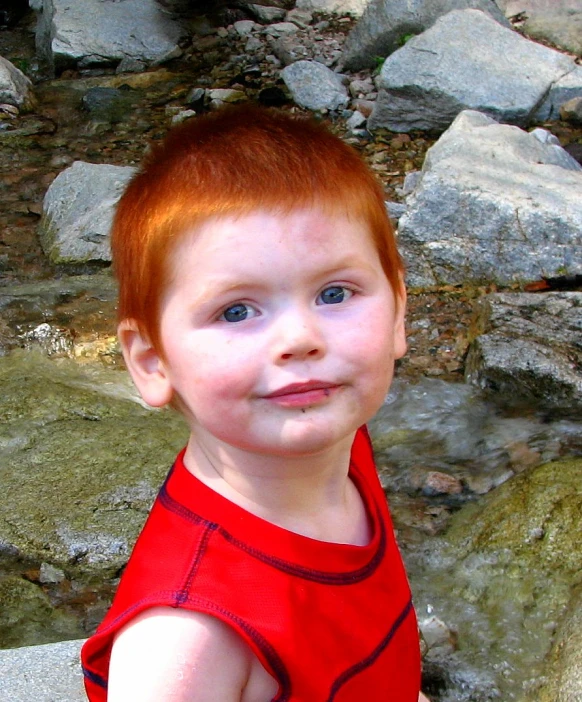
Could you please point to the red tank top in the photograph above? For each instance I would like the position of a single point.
(330, 622)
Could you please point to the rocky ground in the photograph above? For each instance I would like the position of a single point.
(35, 147)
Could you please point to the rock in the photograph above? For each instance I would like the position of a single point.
(437, 483)
(15, 87)
(493, 204)
(226, 95)
(267, 15)
(529, 352)
(43, 673)
(566, 88)
(106, 477)
(130, 65)
(571, 111)
(513, 557)
(27, 616)
(302, 18)
(356, 121)
(559, 22)
(244, 27)
(281, 29)
(314, 86)
(338, 7)
(78, 210)
(386, 25)
(436, 633)
(437, 74)
(70, 34)
(564, 665)
(110, 105)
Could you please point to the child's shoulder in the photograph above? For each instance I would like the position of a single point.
(167, 653)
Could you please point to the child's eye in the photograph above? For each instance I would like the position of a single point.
(238, 313)
(334, 295)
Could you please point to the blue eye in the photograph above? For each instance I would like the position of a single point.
(334, 295)
(237, 313)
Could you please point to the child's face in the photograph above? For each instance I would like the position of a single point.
(279, 331)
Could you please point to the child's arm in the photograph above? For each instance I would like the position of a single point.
(170, 655)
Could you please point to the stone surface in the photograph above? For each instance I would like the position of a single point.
(81, 460)
(563, 90)
(49, 673)
(386, 25)
(96, 32)
(564, 666)
(530, 350)
(78, 211)
(506, 570)
(267, 14)
(493, 204)
(339, 7)
(314, 86)
(558, 21)
(437, 74)
(15, 87)
(571, 111)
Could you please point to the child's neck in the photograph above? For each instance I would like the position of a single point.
(311, 496)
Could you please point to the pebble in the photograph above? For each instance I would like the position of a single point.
(437, 483)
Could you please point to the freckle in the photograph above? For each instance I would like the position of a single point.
(303, 410)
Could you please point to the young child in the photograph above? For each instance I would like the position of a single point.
(261, 295)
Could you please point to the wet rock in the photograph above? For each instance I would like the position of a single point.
(493, 204)
(315, 86)
(502, 578)
(530, 351)
(88, 459)
(386, 26)
(27, 616)
(564, 665)
(107, 104)
(71, 35)
(78, 210)
(437, 74)
(15, 87)
(437, 483)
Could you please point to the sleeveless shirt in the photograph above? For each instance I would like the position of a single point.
(330, 622)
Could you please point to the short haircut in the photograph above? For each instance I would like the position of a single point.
(232, 162)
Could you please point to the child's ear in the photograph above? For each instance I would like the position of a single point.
(400, 344)
(145, 365)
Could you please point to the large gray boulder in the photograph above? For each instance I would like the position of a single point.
(530, 351)
(71, 33)
(78, 210)
(467, 60)
(15, 87)
(386, 24)
(493, 204)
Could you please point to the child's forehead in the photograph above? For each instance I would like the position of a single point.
(302, 225)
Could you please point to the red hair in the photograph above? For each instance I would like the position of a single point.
(232, 162)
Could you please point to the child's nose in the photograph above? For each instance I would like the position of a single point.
(299, 337)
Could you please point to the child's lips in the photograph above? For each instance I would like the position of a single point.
(303, 394)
